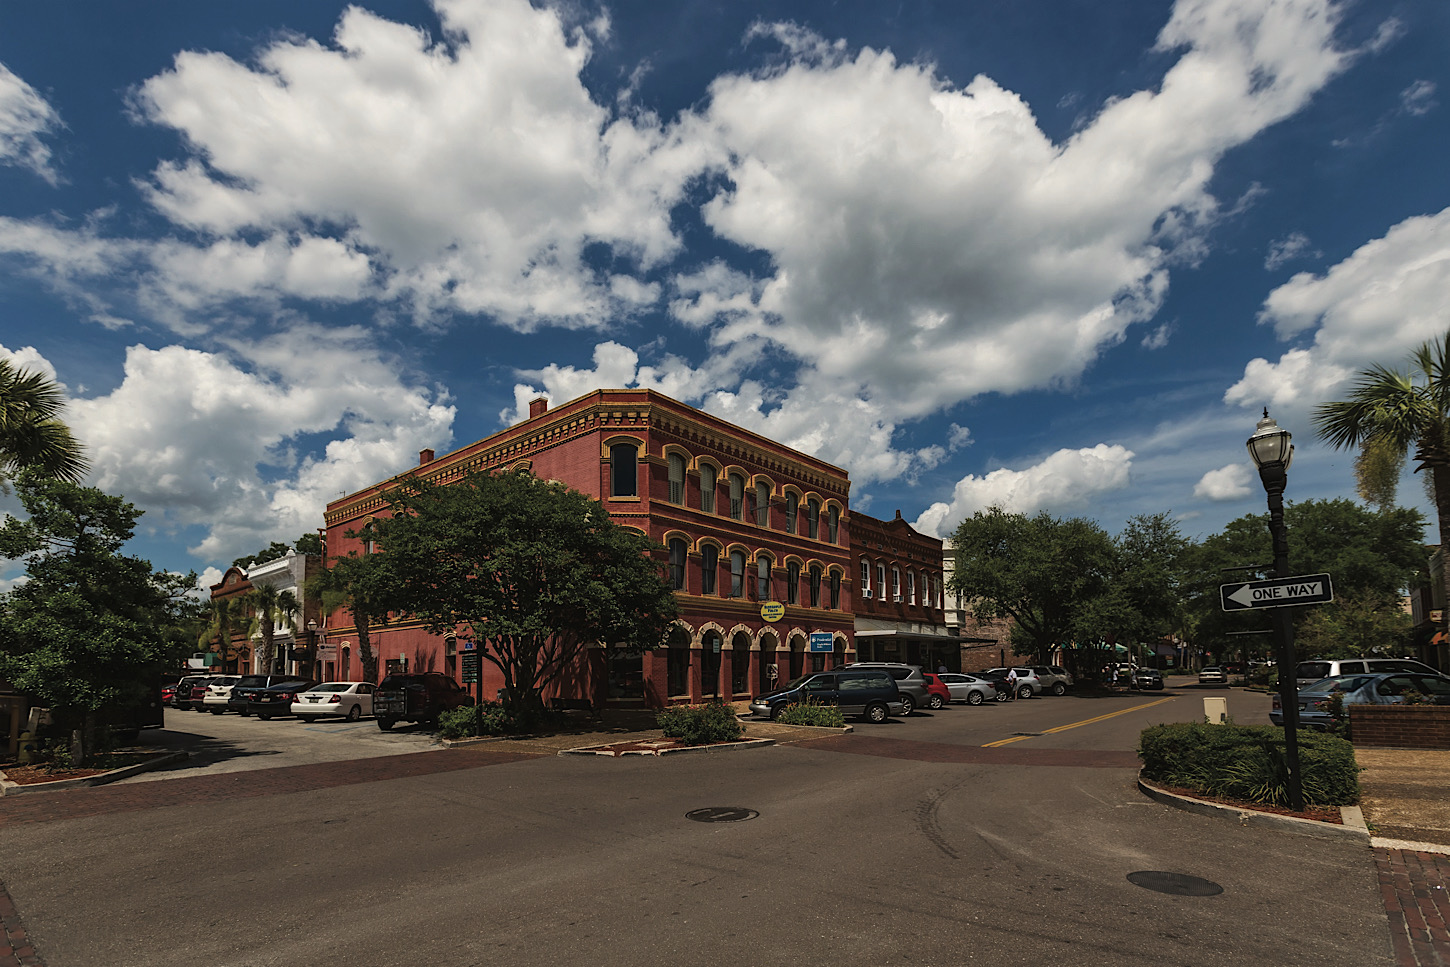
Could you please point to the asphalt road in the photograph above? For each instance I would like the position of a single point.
(852, 859)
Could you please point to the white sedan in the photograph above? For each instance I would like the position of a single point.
(351, 700)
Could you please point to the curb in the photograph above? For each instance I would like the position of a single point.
(1248, 817)
(8, 788)
(1404, 844)
(725, 747)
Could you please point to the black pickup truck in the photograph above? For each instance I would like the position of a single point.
(416, 698)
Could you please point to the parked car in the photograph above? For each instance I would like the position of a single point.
(1054, 678)
(909, 682)
(168, 693)
(249, 686)
(181, 697)
(997, 678)
(969, 688)
(1212, 675)
(1382, 689)
(418, 697)
(277, 699)
(1315, 669)
(196, 701)
(1147, 678)
(872, 693)
(1028, 684)
(938, 695)
(218, 693)
(351, 700)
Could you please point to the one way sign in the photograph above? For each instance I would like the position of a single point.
(1277, 592)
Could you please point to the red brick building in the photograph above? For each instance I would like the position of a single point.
(898, 611)
(743, 521)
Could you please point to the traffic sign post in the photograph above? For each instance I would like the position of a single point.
(1276, 592)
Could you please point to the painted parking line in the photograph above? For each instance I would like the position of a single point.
(1074, 725)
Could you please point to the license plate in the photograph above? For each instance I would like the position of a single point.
(313, 698)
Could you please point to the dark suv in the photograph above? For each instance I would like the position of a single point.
(416, 698)
(868, 692)
(914, 693)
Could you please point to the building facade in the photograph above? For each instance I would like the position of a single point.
(742, 521)
(293, 644)
(898, 610)
(981, 644)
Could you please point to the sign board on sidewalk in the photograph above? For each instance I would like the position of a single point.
(469, 664)
(1276, 592)
(822, 641)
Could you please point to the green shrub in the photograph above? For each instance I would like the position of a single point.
(811, 712)
(1247, 762)
(700, 724)
(491, 718)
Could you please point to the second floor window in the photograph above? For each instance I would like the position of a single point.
(737, 497)
(835, 590)
(792, 506)
(815, 587)
(813, 519)
(709, 568)
(737, 574)
(762, 504)
(895, 584)
(792, 582)
(762, 579)
(677, 479)
(623, 475)
(911, 587)
(677, 563)
(865, 579)
(707, 487)
(833, 523)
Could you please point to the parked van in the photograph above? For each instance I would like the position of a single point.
(1312, 671)
(868, 692)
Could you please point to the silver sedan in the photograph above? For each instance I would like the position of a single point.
(966, 688)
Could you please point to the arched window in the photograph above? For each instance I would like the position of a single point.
(911, 587)
(677, 667)
(762, 503)
(762, 579)
(881, 580)
(835, 590)
(678, 547)
(623, 470)
(737, 497)
(833, 523)
(896, 584)
(813, 519)
(792, 505)
(737, 574)
(708, 475)
(865, 579)
(709, 568)
(677, 479)
(815, 586)
(792, 582)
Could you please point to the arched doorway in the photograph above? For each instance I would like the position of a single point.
(710, 645)
(769, 671)
(739, 664)
(797, 656)
(677, 664)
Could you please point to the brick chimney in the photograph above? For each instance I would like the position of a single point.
(537, 406)
(425, 456)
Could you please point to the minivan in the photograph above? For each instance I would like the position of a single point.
(1315, 669)
(868, 692)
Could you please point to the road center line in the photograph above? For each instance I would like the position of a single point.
(1064, 728)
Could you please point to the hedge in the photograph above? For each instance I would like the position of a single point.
(1247, 762)
(700, 724)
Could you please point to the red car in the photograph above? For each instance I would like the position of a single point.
(941, 696)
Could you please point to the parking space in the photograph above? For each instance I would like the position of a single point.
(230, 743)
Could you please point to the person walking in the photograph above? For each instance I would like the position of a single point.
(1012, 684)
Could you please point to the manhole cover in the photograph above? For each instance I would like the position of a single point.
(1174, 884)
(721, 814)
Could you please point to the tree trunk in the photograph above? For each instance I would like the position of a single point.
(365, 649)
(1440, 478)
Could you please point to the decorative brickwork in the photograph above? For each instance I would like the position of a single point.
(1400, 726)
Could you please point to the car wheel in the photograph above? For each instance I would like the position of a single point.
(244, 713)
(776, 710)
(876, 713)
(1025, 691)
(910, 704)
(265, 716)
(1003, 695)
(216, 711)
(354, 713)
(1058, 688)
(974, 698)
(385, 724)
(935, 703)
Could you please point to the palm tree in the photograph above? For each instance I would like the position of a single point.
(1388, 412)
(269, 606)
(31, 436)
(356, 583)
(221, 624)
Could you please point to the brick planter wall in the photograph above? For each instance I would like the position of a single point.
(1400, 726)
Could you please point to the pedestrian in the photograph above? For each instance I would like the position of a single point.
(1012, 684)
(941, 669)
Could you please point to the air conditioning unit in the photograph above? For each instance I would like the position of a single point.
(896, 598)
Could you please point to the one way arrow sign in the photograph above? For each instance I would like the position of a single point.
(1277, 592)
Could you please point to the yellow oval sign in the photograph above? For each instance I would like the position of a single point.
(772, 611)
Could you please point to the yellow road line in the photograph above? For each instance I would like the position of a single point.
(1064, 728)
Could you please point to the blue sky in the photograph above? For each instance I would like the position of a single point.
(1047, 255)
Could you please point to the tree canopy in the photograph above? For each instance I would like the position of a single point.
(534, 572)
(90, 628)
(309, 543)
(32, 435)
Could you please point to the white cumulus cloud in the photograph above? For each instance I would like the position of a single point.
(1225, 483)
(25, 117)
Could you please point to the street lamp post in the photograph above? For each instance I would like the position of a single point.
(1272, 453)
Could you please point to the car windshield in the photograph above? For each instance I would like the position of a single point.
(333, 687)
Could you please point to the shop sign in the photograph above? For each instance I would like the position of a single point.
(823, 641)
(772, 611)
